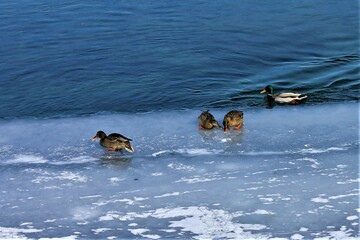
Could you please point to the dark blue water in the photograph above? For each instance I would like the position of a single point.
(82, 57)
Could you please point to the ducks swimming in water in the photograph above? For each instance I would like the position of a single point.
(283, 98)
(207, 121)
(114, 141)
(234, 119)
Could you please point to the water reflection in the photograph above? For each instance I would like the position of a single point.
(116, 159)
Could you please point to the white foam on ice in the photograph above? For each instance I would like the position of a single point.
(141, 232)
(49, 220)
(64, 175)
(321, 150)
(159, 153)
(349, 181)
(90, 196)
(28, 159)
(138, 231)
(71, 237)
(122, 200)
(168, 195)
(26, 224)
(296, 237)
(84, 213)
(181, 166)
(263, 212)
(115, 180)
(263, 153)
(198, 179)
(320, 199)
(157, 174)
(352, 218)
(76, 160)
(188, 152)
(16, 233)
(205, 223)
(315, 163)
(345, 195)
(100, 230)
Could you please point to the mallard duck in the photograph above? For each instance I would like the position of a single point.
(234, 119)
(114, 141)
(283, 98)
(207, 121)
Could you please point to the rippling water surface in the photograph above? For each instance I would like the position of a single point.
(71, 57)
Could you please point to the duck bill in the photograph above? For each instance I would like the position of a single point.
(94, 139)
(263, 91)
(130, 149)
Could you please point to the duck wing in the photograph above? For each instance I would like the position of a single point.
(291, 95)
(118, 137)
(290, 98)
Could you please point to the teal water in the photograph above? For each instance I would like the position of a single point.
(73, 58)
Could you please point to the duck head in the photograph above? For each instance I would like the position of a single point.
(268, 89)
(99, 134)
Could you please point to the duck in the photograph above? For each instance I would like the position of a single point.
(207, 121)
(113, 141)
(234, 119)
(283, 98)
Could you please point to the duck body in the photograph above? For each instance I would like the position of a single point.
(114, 141)
(207, 121)
(234, 119)
(283, 98)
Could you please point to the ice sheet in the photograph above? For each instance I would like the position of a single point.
(291, 172)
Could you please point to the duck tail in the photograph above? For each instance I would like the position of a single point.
(302, 97)
(128, 147)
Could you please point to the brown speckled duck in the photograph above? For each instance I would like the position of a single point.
(207, 121)
(114, 141)
(234, 119)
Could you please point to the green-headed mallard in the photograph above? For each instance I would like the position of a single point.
(207, 121)
(113, 142)
(283, 98)
(234, 119)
